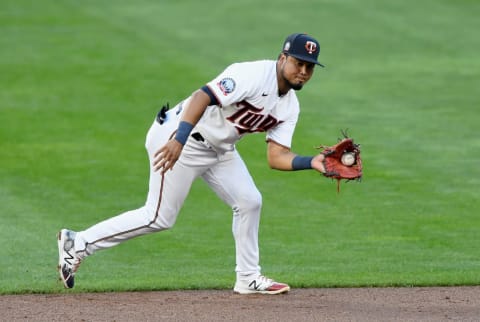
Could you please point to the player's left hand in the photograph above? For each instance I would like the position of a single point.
(167, 156)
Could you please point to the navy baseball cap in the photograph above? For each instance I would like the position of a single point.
(303, 47)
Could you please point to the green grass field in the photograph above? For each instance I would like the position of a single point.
(80, 83)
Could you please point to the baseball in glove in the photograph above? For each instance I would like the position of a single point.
(342, 161)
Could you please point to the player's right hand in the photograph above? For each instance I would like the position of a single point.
(317, 163)
(166, 157)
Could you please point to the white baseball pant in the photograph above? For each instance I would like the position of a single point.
(226, 174)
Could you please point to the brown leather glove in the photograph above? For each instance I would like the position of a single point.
(335, 168)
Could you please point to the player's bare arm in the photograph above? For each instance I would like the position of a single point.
(167, 156)
(280, 157)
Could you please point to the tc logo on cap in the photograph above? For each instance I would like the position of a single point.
(311, 47)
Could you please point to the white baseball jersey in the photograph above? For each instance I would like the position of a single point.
(248, 102)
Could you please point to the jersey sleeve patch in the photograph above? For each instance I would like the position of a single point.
(226, 85)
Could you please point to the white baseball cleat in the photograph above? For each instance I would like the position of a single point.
(67, 260)
(260, 285)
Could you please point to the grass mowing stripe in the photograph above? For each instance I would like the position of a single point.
(80, 84)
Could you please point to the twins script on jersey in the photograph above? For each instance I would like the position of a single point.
(248, 102)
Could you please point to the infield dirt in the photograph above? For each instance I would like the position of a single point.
(329, 304)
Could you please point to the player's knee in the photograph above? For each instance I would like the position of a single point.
(164, 222)
(159, 220)
(161, 224)
(252, 202)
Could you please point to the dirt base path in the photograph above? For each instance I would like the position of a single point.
(342, 304)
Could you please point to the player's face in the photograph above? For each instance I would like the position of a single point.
(295, 72)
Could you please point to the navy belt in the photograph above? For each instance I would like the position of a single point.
(197, 136)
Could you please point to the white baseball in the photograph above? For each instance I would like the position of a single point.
(348, 159)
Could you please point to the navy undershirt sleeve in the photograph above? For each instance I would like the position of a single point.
(213, 99)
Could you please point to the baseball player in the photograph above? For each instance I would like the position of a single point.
(196, 138)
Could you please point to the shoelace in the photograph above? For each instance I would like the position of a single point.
(265, 279)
